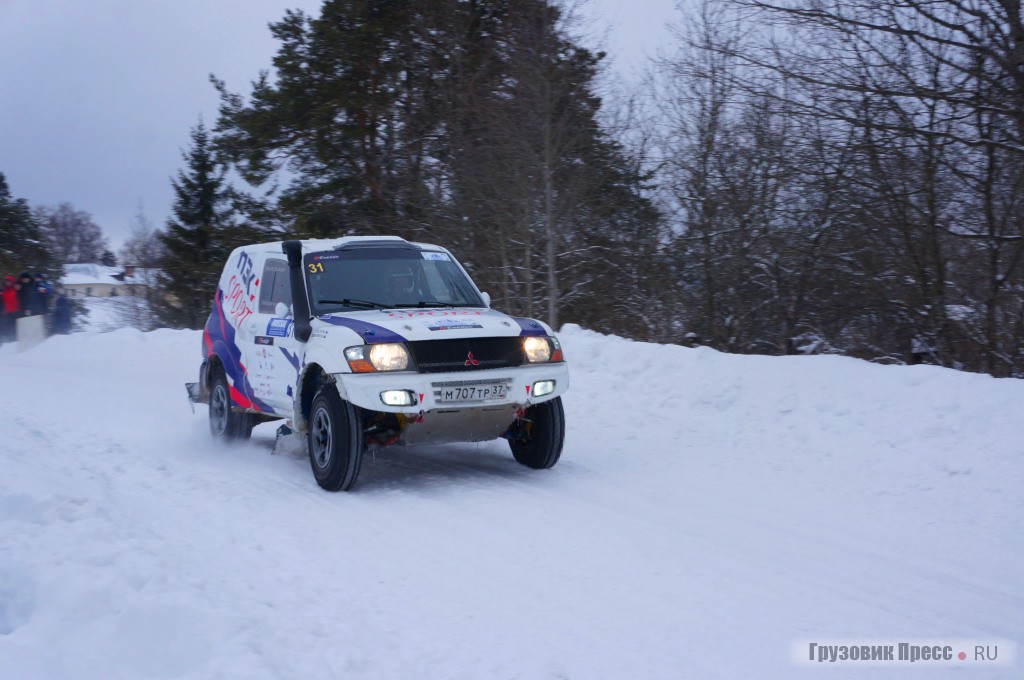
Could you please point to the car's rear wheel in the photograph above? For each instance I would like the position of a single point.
(225, 423)
(536, 439)
(335, 440)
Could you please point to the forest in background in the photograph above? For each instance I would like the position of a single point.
(806, 176)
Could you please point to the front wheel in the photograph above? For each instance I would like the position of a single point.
(335, 440)
(536, 439)
(226, 424)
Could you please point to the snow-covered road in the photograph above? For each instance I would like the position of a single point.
(752, 502)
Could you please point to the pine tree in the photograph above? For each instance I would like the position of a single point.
(351, 113)
(471, 123)
(531, 159)
(198, 237)
(21, 245)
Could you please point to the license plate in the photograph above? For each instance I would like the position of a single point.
(473, 392)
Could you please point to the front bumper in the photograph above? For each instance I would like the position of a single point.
(364, 389)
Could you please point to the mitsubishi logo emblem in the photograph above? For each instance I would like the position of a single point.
(470, 361)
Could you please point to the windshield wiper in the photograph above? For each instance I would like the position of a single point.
(422, 303)
(358, 304)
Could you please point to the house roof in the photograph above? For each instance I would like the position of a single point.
(90, 274)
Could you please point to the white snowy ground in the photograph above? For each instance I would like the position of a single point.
(105, 314)
(754, 502)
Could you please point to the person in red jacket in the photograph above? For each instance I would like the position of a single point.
(11, 309)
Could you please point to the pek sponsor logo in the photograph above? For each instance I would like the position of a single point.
(238, 297)
(904, 653)
(244, 266)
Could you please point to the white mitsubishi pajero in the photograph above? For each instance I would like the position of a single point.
(363, 342)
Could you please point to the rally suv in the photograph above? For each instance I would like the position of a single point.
(365, 342)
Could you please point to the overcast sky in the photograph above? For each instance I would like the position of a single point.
(97, 97)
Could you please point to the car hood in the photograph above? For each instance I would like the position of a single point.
(400, 325)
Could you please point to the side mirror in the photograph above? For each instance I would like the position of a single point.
(282, 310)
(487, 299)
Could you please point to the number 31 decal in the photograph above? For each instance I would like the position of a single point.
(315, 267)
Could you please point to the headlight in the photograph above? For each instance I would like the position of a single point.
(383, 357)
(542, 349)
(537, 349)
(389, 357)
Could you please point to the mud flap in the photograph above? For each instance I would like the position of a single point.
(199, 392)
(290, 443)
(195, 395)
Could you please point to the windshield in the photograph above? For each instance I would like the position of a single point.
(385, 278)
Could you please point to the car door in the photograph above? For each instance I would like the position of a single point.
(273, 362)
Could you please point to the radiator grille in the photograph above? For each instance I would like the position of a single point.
(438, 356)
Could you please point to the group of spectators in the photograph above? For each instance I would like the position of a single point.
(29, 295)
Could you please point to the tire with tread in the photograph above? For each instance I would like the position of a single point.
(226, 424)
(335, 440)
(536, 441)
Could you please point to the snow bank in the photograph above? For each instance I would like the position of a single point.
(708, 510)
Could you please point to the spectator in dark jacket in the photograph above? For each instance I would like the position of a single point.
(61, 313)
(26, 293)
(43, 292)
(11, 308)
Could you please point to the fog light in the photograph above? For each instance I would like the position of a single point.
(542, 387)
(398, 397)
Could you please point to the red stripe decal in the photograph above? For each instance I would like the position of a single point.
(239, 398)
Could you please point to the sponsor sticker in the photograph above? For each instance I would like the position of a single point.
(264, 340)
(449, 323)
(279, 328)
(440, 257)
(429, 313)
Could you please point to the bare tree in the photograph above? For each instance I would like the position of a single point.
(71, 234)
(889, 220)
(141, 254)
(730, 169)
(143, 247)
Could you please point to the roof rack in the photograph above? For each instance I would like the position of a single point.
(377, 243)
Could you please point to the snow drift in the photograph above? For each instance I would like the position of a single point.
(708, 510)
